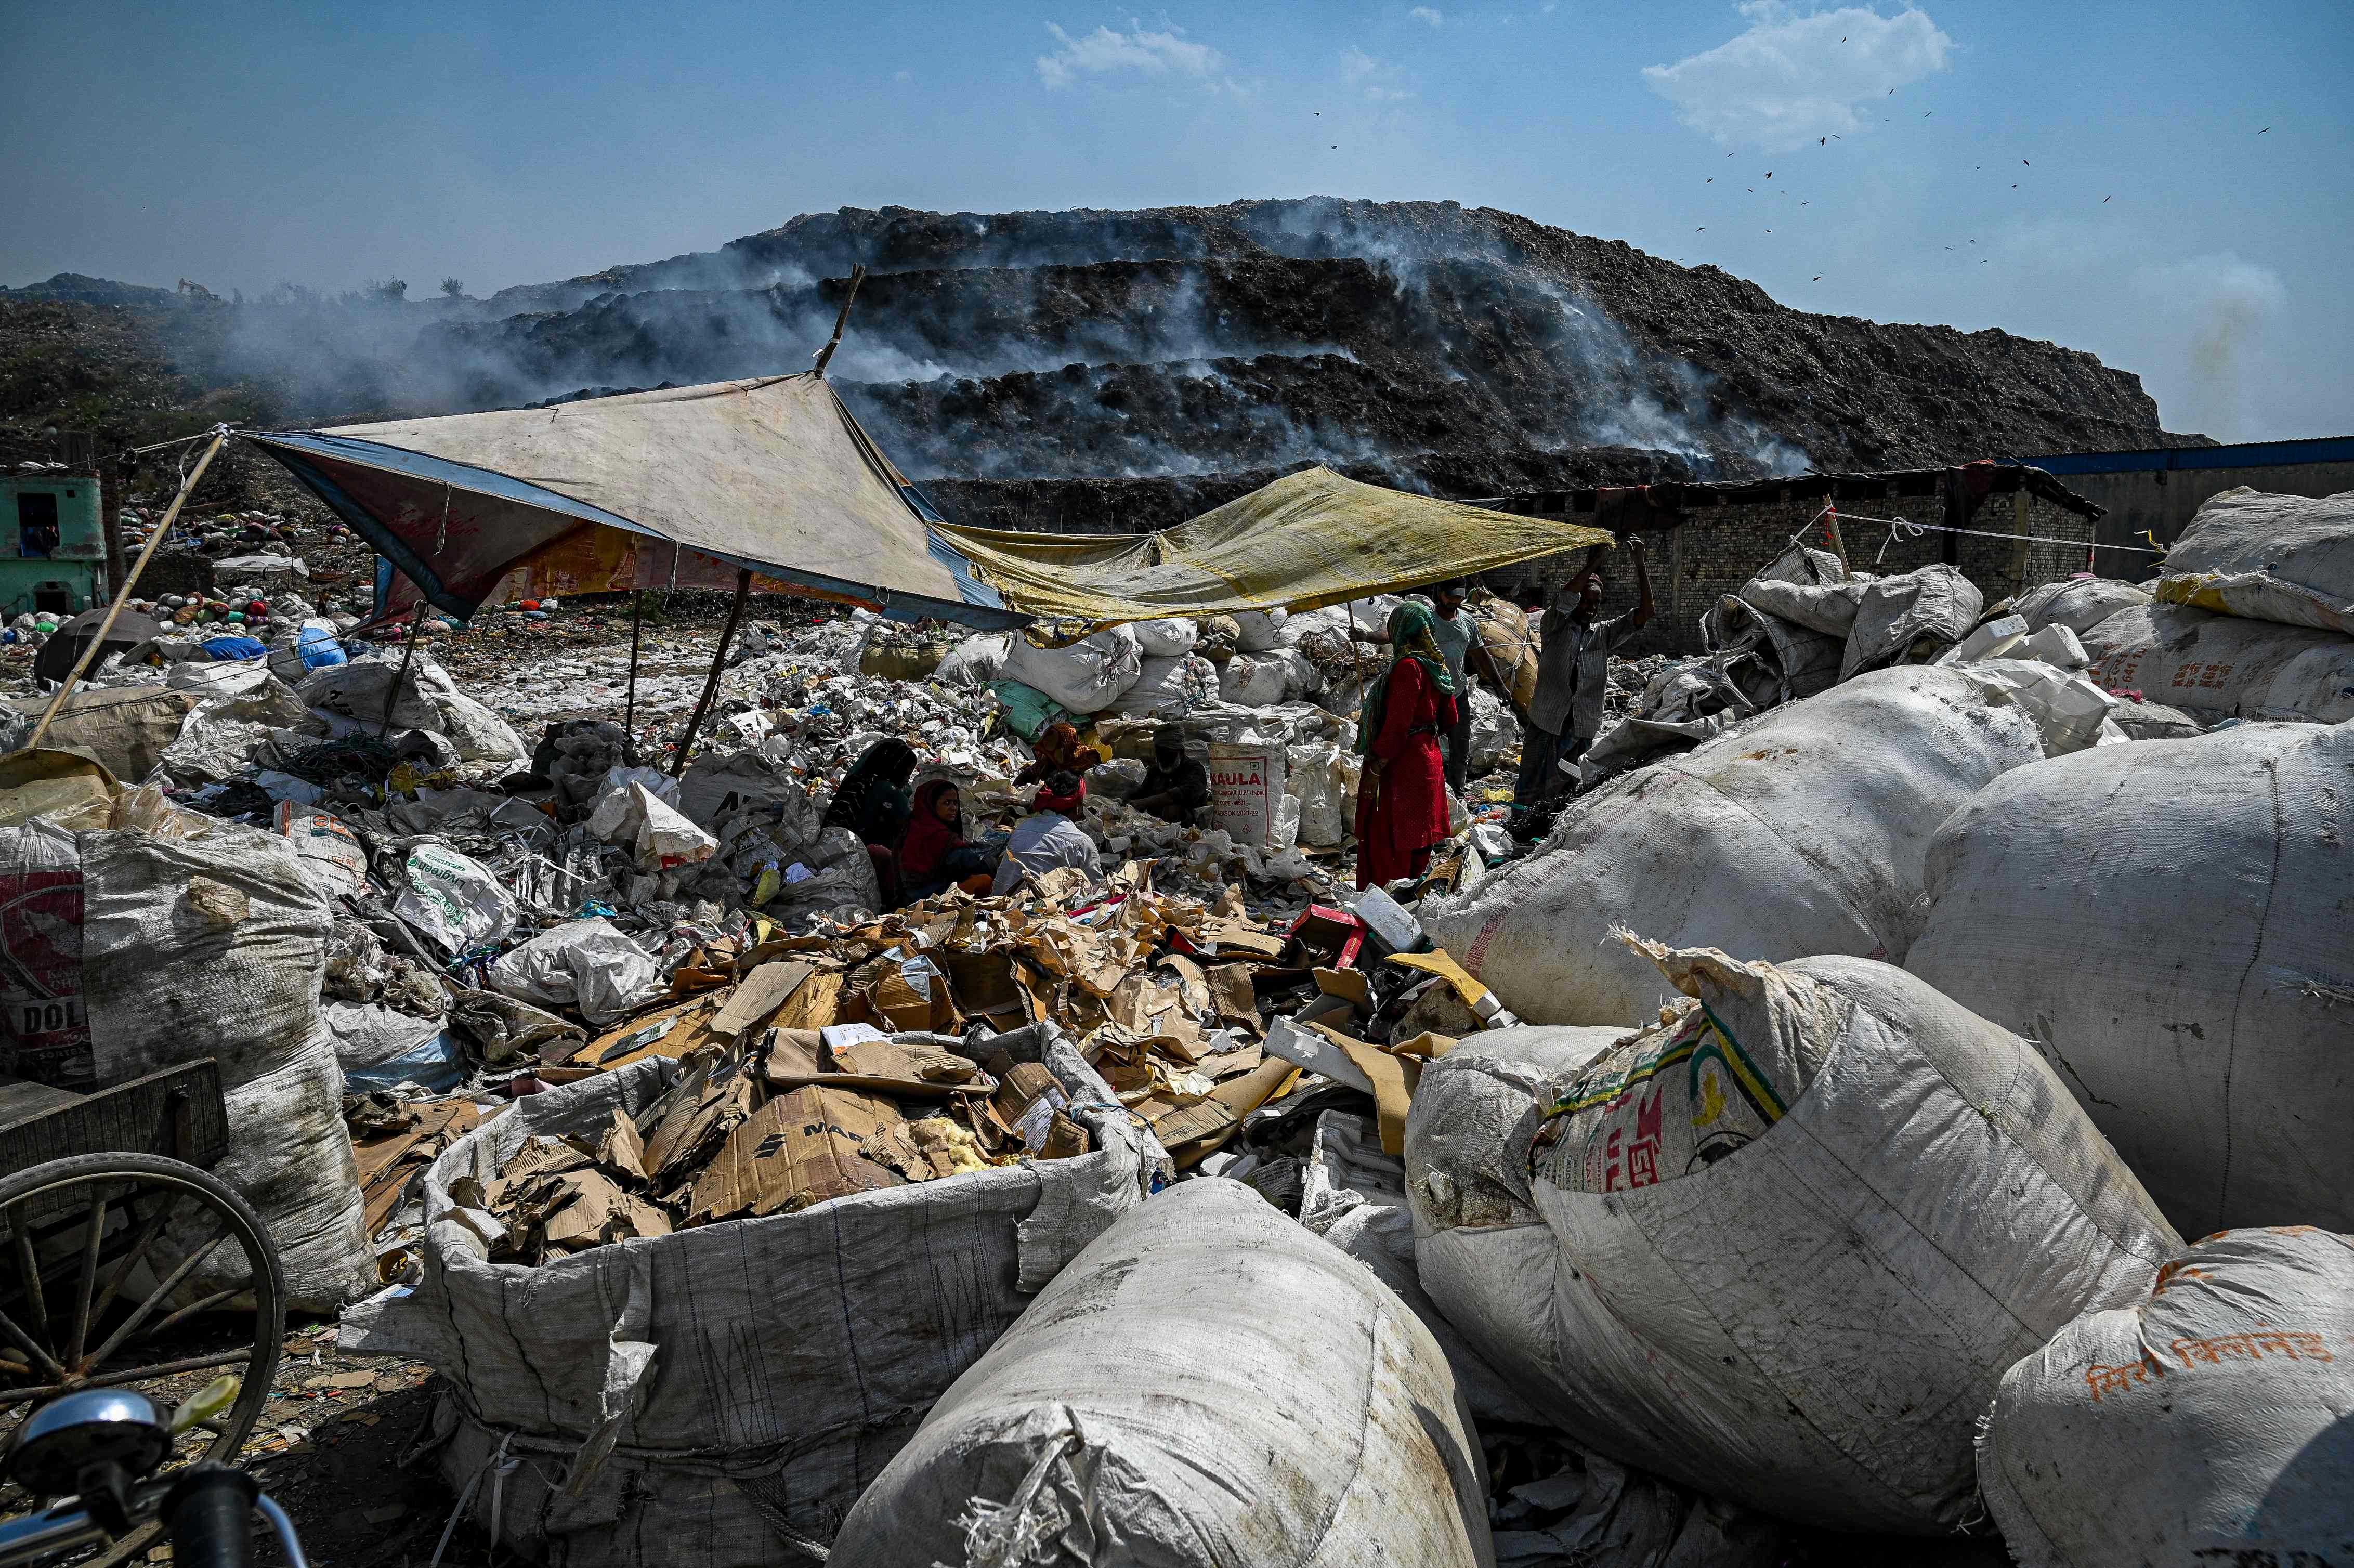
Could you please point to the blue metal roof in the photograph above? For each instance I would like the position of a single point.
(2247, 454)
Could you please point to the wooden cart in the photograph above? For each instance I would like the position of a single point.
(122, 1257)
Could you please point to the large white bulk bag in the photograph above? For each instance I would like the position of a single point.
(681, 1399)
(1257, 631)
(216, 947)
(1169, 688)
(2211, 1422)
(2077, 603)
(2172, 921)
(2288, 559)
(1083, 677)
(1483, 1254)
(1936, 602)
(1791, 1237)
(1265, 680)
(1323, 779)
(1800, 834)
(1207, 1383)
(1809, 588)
(975, 661)
(1172, 639)
(2217, 666)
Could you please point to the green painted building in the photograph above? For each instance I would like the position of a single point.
(52, 544)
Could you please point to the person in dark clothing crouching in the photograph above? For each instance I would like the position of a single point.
(1176, 788)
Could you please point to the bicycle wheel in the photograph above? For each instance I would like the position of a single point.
(81, 1230)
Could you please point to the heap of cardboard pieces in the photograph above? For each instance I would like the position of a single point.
(893, 1050)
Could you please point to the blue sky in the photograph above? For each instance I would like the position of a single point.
(2096, 173)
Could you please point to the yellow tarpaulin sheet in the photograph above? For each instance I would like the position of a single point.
(1309, 539)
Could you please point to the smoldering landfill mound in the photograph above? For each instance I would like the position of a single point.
(1421, 344)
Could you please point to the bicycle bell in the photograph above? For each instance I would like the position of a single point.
(63, 1441)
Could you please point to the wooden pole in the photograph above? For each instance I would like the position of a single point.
(719, 663)
(825, 355)
(113, 490)
(1838, 539)
(408, 657)
(123, 593)
(629, 712)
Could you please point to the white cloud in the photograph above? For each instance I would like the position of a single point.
(1790, 79)
(1155, 54)
(1379, 80)
(1425, 14)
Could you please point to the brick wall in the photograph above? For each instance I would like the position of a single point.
(1713, 550)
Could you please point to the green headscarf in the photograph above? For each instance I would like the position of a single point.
(1410, 635)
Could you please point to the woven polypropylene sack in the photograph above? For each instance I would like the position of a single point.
(362, 696)
(2216, 666)
(1809, 588)
(1803, 1300)
(1892, 613)
(1800, 834)
(1207, 1383)
(1171, 639)
(976, 661)
(2077, 603)
(1169, 688)
(2206, 1423)
(2288, 559)
(677, 1398)
(2172, 922)
(1482, 1253)
(1083, 677)
(216, 947)
(1256, 680)
(1257, 631)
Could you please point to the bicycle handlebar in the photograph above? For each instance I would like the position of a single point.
(208, 1509)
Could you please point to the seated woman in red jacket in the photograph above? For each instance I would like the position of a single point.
(936, 852)
(1401, 796)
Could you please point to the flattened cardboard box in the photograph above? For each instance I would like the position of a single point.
(798, 1150)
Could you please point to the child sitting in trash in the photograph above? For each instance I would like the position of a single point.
(1048, 839)
(935, 854)
(1176, 788)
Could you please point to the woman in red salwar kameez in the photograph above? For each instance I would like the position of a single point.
(1402, 795)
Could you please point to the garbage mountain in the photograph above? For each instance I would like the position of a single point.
(1091, 368)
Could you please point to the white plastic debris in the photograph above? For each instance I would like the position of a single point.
(453, 901)
(592, 965)
(655, 832)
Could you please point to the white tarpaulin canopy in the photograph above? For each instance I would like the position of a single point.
(673, 488)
